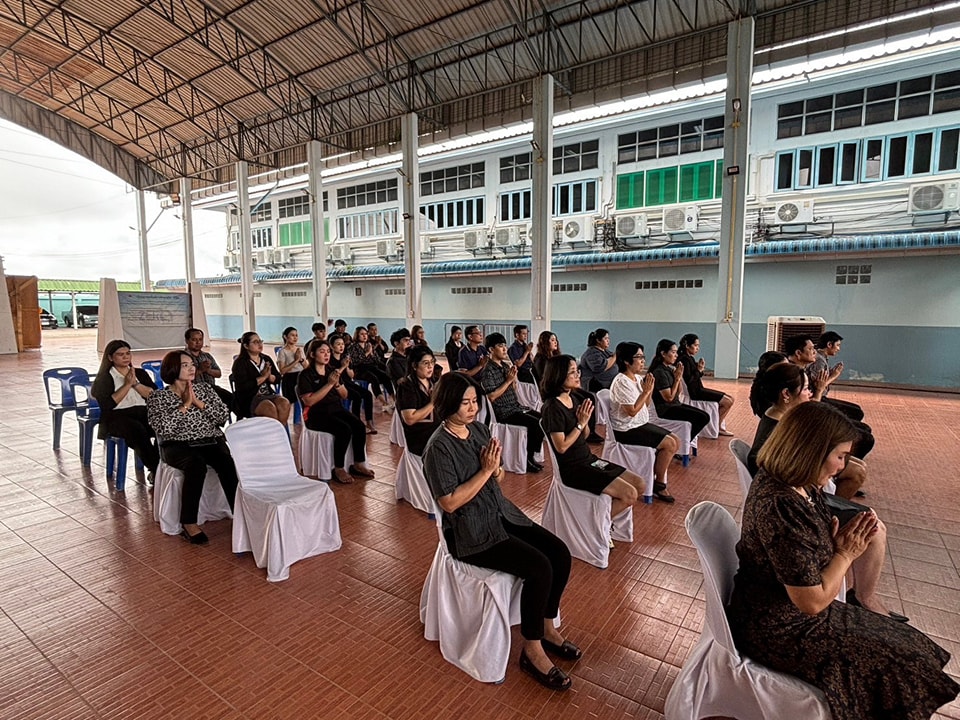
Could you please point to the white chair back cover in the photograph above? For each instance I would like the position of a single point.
(582, 520)
(396, 430)
(636, 458)
(411, 485)
(513, 438)
(602, 409)
(279, 515)
(680, 428)
(740, 451)
(712, 429)
(316, 454)
(168, 494)
(469, 610)
(529, 395)
(716, 679)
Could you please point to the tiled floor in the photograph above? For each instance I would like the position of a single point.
(102, 616)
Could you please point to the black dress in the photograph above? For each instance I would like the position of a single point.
(867, 665)
(577, 469)
(692, 376)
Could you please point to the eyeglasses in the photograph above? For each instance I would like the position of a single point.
(256, 342)
(426, 363)
(640, 357)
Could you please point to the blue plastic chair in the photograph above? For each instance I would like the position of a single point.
(116, 449)
(153, 367)
(59, 380)
(88, 417)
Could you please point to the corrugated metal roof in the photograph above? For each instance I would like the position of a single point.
(189, 87)
(84, 286)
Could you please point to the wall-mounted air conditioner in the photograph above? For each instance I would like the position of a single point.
(341, 252)
(474, 239)
(633, 225)
(934, 198)
(681, 218)
(506, 236)
(231, 261)
(779, 328)
(577, 229)
(795, 212)
(426, 246)
(280, 256)
(386, 248)
(262, 257)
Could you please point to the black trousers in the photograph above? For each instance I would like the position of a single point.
(851, 410)
(540, 558)
(530, 419)
(524, 375)
(344, 426)
(360, 398)
(131, 425)
(288, 386)
(379, 381)
(698, 419)
(193, 461)
(864, 444)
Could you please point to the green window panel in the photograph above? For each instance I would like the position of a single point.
(629, 191)
(718, 179)
(661, 186)
(696, 181)
(301, 233)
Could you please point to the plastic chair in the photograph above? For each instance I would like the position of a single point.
(582, 520)
(680, 428)
(168, 496)
(712, 429)
(740, 451)
(88, 417)
(411, 485)
(60, 398)
(279, 515)
(116, 454)
(153, 367)
(603, 406)
(637, 459)
(716, 679)
(316, 454)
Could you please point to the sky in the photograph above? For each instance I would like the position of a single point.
(64, 217)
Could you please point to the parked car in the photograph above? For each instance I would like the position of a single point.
(88, 316)
(48, 319)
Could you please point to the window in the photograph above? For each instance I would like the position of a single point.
(367, 225)
(293, 207)
(922, 162)
(897, 156)
(696, 182)
(575, 198)
(661, 186)
(630, 191)
(262, 214)
(669, 140)
(454, 213)
(848, 163)
(452, 179)
(947, 155)
(576, 157)
(296, 233)
(515, 168)
(515, 206)
(826, 166)
(262, 237)
(373, 193)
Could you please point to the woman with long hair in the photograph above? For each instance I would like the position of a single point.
(547, 347)
(668, 374)
(254, 376)
(757, 402)
(366, 366)
(794, 555)
(452, 349)
(291, 359)
(687, 350)
(482, 527)
(361, 399)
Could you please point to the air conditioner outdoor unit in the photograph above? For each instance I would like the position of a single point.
(795, 213)
(231, 261)
(779, 328)
(281, 256)
(341, 252)
(934, 198)
(473, 239)
(631, 225)
(507, 236)
(681, 219)
(262, 257)
(426, 243)
(386, 248)
(577, 229)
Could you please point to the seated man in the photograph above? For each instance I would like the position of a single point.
(473, 355)
(397, 364)
(380, 348)
(521, 354)
(340, 331)
(828, 345)
(498, 381)
(207, 369)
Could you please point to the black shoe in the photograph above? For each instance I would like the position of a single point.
(852, 599)
(594, 438)
(859, 493)
(556, 679)
(660, 492)
(566, 650)
(199, 539)
(534, 467)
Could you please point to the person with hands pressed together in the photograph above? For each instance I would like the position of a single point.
(361, 399)
(187, 416)
(521, 354)
(693, 374)
(321, 393)
(254, 377)
(793, 558)
(291, 360)
(473, 356)
(415, 399)
(668, 376)
(482, 527)
(122, 391)
(828, 346)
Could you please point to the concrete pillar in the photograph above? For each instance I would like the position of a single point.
(541, 231)
(246, 247)
(318, 248)
(410, 212)
(186, 216)
(736, 142)
(144, 250)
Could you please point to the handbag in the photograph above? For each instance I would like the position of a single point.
(842, 509)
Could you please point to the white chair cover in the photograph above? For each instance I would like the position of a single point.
(716, 679)
(740, 451)
(396, 430)
(316, 454)
(529, 395)
(411, 485)
(279, 515)
(469, 610)
(168, 494)
(602, 409)
(513, 438)
(637, 459)
(680, 428)
(582, 520)
(712, 429)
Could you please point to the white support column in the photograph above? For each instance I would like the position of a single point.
(410, 212)
(186, 215)
(144, 250)
(246, 247)
(541, 231)
(736, 142)
(318, 248)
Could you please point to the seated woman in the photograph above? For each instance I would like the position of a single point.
(757, 402)
(630, 419)
(254, 378)
(667, 375)
(453, 347)
(784, 386)
(122, 392)
(547, 347)
(693, 374)
(360, 397)
(187, 417)
(793, 558)
(597, 364)
(366, 366)
(481, 527)
(291, 359)
(321, 393)
(564, 420)
(414, 399)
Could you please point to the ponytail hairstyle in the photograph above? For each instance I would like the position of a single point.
(594, 338)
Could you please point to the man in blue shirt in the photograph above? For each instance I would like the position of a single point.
(473, 355)
(521, 354)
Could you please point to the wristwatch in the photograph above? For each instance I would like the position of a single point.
(579, 427)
